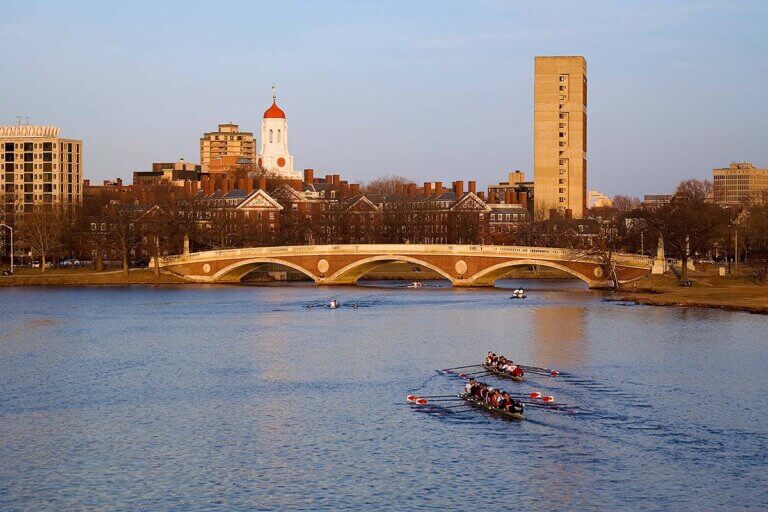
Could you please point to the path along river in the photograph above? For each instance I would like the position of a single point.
(240, 397)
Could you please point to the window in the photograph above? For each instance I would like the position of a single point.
(562, 134)
(279, 136)
(562, 87)
(562, 125)
(561, 200)
(562, 78)
(507, 217)
(561, 181)
(270, 135)
(493, 216)
(562, 116)
(561, 190)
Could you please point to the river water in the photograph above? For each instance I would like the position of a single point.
(244, 398)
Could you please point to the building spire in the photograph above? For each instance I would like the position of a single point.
(274, 92)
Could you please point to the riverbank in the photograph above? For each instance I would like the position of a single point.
(735, 293)
(77, 277)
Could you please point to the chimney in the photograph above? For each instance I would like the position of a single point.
(491, 198)
(241, 184)
(354, 188)
(336, 180)
(459, 188)
(411, 189)
(427, 188)
(398, 189)
(224, 186)
(309, 175)
(508, 197)
(295, 184)
(249, 186)
(524, 200)
(473, 186)
(438, 188)
(188, 188)
(263, 183)
(328, 178)
(481, 195)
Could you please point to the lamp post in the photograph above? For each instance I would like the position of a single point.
(729, 239)
(11, 230)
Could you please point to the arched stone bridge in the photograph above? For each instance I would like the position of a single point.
(463, 265)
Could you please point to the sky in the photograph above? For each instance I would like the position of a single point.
(432, 90)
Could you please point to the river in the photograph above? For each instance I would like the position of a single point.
(244, 398)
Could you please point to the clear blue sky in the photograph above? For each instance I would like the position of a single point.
(430, 90)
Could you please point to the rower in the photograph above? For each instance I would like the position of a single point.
(469, 387)
(333, 304)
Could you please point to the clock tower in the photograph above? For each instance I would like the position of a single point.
(274, 155)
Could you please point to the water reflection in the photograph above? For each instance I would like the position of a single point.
(559, 335)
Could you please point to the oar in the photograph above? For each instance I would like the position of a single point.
(537, 369)
(435, 396)
(462, 367)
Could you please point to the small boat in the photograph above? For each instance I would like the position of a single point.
(496, 412)
(519, 293)
(502, 374)
(416, 284)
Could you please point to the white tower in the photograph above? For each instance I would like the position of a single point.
(274, 155)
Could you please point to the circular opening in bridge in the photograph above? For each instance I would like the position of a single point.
(540, 277)
(402, 274)
(273, 274)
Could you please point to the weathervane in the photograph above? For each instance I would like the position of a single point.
(274, 92)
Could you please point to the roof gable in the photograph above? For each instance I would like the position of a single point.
(470, 202)
(259, 200)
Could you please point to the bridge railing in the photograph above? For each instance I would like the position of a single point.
(490, 250)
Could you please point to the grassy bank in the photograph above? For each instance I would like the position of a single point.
(735, 293)
(34, 277)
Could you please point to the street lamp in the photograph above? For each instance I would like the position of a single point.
(727, 243)
(11, 230)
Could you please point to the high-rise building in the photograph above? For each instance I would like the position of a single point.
(739, 184)
(228, 141)
(38, 167)
(560, 134)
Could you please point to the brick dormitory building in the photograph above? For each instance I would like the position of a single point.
(231, 210)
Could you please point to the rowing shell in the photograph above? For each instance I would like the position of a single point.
(502, 374)
(496, 412)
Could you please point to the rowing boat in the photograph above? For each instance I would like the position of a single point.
(479, 404)
(502, 374)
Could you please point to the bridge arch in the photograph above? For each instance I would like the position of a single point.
(354, 271)
(488, 276)
(240, 269)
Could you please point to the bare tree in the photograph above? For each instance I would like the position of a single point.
(43, 231)
(123, 232)
(384, 184)
(756, 243)
(625, 204)
(689, 222)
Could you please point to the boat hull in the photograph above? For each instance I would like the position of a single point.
(496, 412)
(501, 374)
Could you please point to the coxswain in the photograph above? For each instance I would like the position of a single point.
(517, 372)
(469, 387)
(489, 358)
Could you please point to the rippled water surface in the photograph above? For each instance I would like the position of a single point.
(237, 398)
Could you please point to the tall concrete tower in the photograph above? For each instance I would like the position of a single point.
(560, 134)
